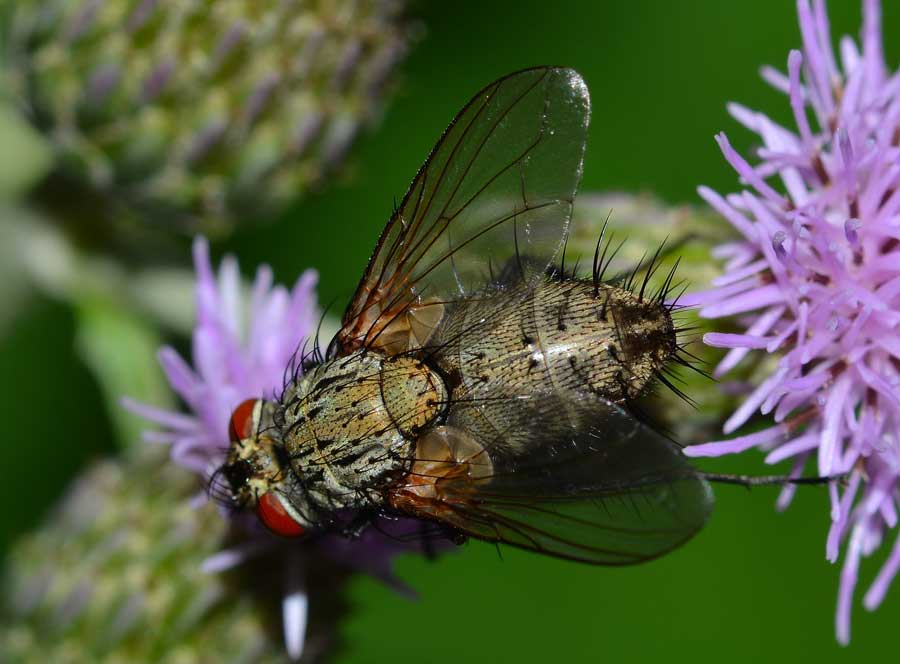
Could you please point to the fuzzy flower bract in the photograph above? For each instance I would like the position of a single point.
(814, 281)
(213, 112)
(241, 345)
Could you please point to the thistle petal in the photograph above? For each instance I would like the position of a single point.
(826, 296)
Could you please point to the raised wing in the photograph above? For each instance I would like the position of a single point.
(601, 488)
(499, 183)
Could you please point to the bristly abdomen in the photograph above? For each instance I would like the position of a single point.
(564, 335)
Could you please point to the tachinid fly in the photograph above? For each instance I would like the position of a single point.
(474, 384)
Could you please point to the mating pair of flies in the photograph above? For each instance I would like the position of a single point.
(474, 384)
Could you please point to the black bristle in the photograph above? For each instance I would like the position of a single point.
(661, 377)
(652, 267)
(596, 273)
(575, 268)
(663, 293)
(516, 243)
(606, 262)
(629, 283)
(673, 306)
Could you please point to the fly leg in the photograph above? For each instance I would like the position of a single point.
(428, 549)
(357, 525)
(769, 480)
(432, 532)
(455, 535)
(445, 454)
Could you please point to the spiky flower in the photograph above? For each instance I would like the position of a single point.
(119, 573)
(210, 110)
(241, 348)
(814, 284)
(115, 575)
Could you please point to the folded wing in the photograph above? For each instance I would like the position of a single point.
(595, 486)
(501, 179)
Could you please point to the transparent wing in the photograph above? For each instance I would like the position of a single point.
(501, 179)
(600, 487)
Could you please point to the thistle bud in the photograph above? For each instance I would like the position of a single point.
(117, 574)
(202, 110)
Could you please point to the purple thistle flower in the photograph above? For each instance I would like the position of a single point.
(815, 278)
(237, 354)
(240, 350)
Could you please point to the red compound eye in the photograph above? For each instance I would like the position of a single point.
(241, 425)
(272, 513)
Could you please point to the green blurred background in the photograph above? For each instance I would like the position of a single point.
(754, 585)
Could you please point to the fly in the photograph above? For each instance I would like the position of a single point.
(473, 383)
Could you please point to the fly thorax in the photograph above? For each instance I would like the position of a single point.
(350, 425)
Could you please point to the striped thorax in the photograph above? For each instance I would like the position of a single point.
(350, 425)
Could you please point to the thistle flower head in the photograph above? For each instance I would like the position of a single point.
(814, 280)
(202, 110)
(88, 580)
(241, 346)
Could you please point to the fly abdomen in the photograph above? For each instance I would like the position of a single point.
(560, 336)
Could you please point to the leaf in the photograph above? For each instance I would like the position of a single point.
(32, 154)
(120, 349)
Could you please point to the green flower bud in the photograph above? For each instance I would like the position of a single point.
(199, 109)
(116, 575)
